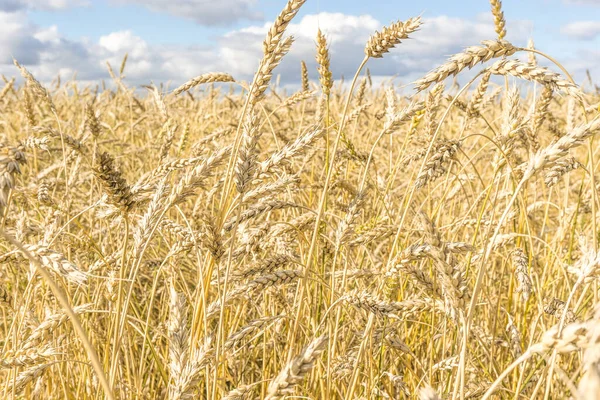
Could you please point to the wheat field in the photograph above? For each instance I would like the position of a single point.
(231, 240)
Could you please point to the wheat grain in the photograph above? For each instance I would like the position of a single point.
(499, 21)
(295, 371)
(323, 61)
(535, 73)
(469, 58)
(382, 42)
(209, 77)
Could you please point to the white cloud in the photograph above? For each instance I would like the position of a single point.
(438, 38)
(47, 53)
(16, 39)
(17, 5)
(585, 30)
(584, 2)
(124, 42)
(346, 36)
(205, 12)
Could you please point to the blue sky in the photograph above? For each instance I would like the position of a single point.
(171, 41)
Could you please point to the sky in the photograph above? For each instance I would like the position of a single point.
(171, 41)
